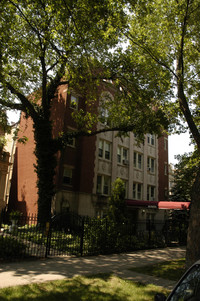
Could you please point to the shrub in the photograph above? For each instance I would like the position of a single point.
(11, 248)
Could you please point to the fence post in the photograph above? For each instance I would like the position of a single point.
(149, 228)
(48, 234)
(82, 236)
(1, 214)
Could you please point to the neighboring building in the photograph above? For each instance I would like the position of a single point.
(6, 165)
(89, 165)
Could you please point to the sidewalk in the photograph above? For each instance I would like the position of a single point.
(26, 272)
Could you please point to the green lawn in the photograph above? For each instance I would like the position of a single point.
(102, 287)
(171, 270)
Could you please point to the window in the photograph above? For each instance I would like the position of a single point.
(119, 156)
(104, 114)
(71, 142)
(67, 176)
(104, 149)
(104, 108)
(150, 193)
(122, 155)
(151, 164)
(74, 102)
(137, 191)
(151, 139)
(137, 160)
(103, 184)
(100, 148)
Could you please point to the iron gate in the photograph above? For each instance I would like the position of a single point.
(65, 235)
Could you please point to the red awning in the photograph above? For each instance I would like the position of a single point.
(158, 205)
(174, 205)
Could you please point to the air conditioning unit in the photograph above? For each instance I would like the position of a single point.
(125, 162)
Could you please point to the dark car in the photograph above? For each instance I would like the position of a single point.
(188, 287)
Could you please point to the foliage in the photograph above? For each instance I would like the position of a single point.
(11, 248)
(184, 176)
(96, 287)
(116, 203)
(45, 45)
(48, 45)
(4, 125)
(2, 142)
(15, 215)
(164, 36)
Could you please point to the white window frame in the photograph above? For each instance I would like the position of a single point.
(151, 164)
(137, 191)
(137, 163)
(122, 155)
(104, 185)
(151, 192)
(151, 139)
(104, 114)
(105, 99)
(104, 150)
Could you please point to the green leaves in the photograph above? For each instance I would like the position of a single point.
(184, 176)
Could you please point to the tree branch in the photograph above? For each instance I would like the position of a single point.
(25, 103)
(11, 105)
(62, 141)
(51, 88)
(151, 54)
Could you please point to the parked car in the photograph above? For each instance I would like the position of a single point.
(188, 287)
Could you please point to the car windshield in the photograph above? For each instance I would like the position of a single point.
(189, 288)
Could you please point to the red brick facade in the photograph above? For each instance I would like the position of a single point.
(163, 186)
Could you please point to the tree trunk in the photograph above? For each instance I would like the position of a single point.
(193, 237)
(45, 167)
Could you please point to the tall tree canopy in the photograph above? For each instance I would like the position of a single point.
(45, 44)
(164, 36)
(185, 172)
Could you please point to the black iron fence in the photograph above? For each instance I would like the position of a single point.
(70, 234)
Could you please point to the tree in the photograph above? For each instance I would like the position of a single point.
(46, 44)
(164, 35)
(117, 204)
(184, 176)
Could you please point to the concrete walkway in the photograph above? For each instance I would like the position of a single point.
(26, 272)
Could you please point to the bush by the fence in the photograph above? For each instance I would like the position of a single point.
(11, 248)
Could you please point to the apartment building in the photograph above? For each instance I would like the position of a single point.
(89, 165)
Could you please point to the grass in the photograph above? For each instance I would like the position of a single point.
(171, 270)
(102, 287)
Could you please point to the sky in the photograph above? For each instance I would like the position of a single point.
(178, 145)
